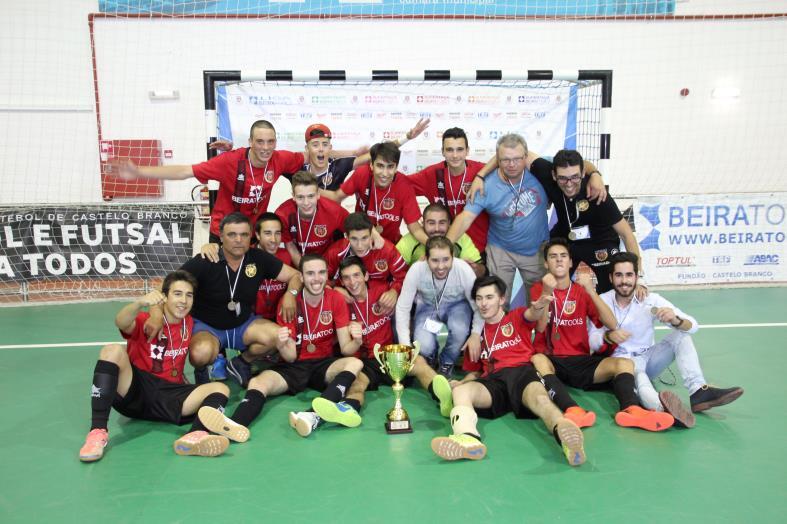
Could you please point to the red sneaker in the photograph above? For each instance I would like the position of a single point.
(638, 417)
(580, 417)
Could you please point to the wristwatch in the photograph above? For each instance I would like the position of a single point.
(680, 321)
(294, 292)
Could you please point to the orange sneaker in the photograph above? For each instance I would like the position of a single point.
(202, 444)
(638, 417)
(580, 417)
(93, 449)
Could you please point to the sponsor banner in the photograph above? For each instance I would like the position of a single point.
(392, 7)
(706, 239)
(368, 113)
(41, 243)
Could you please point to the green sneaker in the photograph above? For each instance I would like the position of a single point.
(457, 447)
(442, 390)
(571, 440)
(338, 412)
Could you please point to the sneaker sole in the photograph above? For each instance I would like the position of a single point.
(571, 440)
(210, 446)
(721, 401)
(442, 390)
(585, 421)
(659, 422)
(302, 427)
(91, 458)
(216, 422)
(673, 405)
(236, 375)
(448, 449)
(328, 411)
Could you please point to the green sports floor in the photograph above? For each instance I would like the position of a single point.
(729, 468)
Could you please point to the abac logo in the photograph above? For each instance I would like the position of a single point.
(762, 260)
(651, 214)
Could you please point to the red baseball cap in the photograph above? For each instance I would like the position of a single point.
(317, 131)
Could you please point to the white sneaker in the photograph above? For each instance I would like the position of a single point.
(304, 422)
(218, 423)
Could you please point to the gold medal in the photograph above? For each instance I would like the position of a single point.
(557, 336)
(654, 310)
(572, 236)
(174, 373)
(379, 228)
(231, 305)
(311, 348)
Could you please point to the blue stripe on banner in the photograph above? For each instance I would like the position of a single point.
(571, 119)
(393, 7)
(223, 113)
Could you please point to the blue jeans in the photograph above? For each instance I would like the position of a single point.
(676, 346)
(457, 316)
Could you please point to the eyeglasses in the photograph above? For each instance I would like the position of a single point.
(511, 161)
(567, 179)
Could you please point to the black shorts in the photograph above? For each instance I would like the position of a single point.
(506, 387)
(576, 371)
(304, 374)
(371, 368)
(152, 398)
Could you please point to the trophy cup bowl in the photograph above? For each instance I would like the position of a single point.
(396, 360)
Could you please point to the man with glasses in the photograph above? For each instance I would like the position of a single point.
(594, 232)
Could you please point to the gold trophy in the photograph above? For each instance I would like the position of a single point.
(397, 360)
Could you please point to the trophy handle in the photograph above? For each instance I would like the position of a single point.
(376, 352)
(416, 351)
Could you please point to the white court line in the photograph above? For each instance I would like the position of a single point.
(86, 344)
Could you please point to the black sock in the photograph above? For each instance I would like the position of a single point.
(430, 389)
(249, 408)
(625, 390)
(338, 387)
(214, 400)
(558, 392)
(354, 403)
(102, 394)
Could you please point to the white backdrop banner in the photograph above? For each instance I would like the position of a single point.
(366, 113)
(705, 239)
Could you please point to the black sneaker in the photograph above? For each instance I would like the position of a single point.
(201, 376)
(709, 397)
(240, 370)
(446, 370)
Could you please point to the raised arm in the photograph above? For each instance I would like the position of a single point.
(129, 170)
(127, 316)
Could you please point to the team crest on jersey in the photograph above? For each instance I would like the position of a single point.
(268, 177)
(601, 255)
(569, 307)
(465, 187)
(381, 265)
(251, 270)
(377, 309)
(321, 230)
(583, 205)
(508, 329)
(326, 317)
(327, 179)
(388, 203)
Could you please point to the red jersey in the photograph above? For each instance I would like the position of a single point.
(567, 330)
(383, 265)
(271, 290)
(165, 356)
(243, 187)
(317, 325)
(505, 344)
(436, 183)
(385, 207)
(312, 235)
(377, 329)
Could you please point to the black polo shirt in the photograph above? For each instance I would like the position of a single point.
(213, 293)
(579, 211)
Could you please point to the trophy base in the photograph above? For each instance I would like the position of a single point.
(395, 427)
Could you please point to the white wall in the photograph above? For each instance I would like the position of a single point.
(661, 143)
